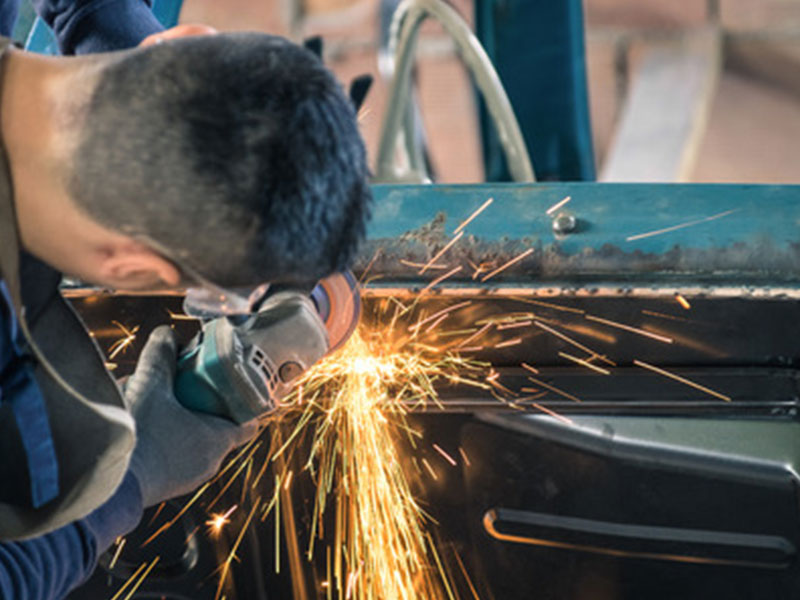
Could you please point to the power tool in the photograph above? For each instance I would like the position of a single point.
(241, 367)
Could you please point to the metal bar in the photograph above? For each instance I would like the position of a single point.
(538, 51)
(720, 237)
(403, 40)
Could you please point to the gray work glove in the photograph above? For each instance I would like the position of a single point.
(176, 449)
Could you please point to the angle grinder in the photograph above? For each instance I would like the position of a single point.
(240, 368)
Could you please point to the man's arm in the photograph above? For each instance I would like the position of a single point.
(82, 27)
(50, 566)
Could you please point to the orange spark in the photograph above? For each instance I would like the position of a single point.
(144, 575)
(530, 368)
(416, 265)
(441, 252)
(446, 456)
(128, 336)
(584, 363)
(683, 380)
(569, 340)
(129, 581)
(469, 219)
(440, 279)
(369, 265)
(481, 268)
(438, 314)
(516, 325)
(660, 315)
(430, 469)
(466, 576)
(644, 332)
(478, 333)
(558, 205)
(554, 389)
(553, 413)
(117, 552)
(232, 554)
(683, 301)
(506, 344)
(181, 317)
(436, 323)
(681, 226)
(506, 265)
(464, 456)
(219, 520)
(551, 305)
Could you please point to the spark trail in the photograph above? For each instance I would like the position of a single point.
(356, 403)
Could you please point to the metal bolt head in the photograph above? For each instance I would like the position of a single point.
(564, 223)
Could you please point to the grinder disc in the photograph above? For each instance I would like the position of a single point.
(339, 304)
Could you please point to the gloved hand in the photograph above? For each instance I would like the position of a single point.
(176, 449)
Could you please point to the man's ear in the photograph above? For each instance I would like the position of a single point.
(134, 266)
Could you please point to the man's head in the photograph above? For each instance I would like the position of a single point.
(236, 156)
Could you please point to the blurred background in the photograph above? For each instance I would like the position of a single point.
(746, 124)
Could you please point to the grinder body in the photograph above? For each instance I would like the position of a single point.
(241, 368)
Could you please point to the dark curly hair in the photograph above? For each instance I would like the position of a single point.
(238, 155)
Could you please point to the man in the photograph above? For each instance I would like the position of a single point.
(220, 162)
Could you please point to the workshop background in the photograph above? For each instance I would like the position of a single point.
(749, 129)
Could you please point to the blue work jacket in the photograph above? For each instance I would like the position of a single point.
(49, 566)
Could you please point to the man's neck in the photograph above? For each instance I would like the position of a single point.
(35, 127)
(26, 124)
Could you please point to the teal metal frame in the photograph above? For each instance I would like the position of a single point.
(538, 50)
(632, 234)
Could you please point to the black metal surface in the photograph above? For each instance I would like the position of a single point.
(751, 355)
(512, 471)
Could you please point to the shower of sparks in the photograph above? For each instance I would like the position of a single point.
(680, 226)
(344, 429)
(470, 218)
(122, 344)
(558, 205)
(355, 403)
(683, 380)
(503, 267)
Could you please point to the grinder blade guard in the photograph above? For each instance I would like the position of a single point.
(240, 368)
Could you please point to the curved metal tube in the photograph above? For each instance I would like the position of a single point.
(403, 38)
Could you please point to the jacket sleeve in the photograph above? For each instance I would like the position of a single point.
(48, 567)
(86, 26)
